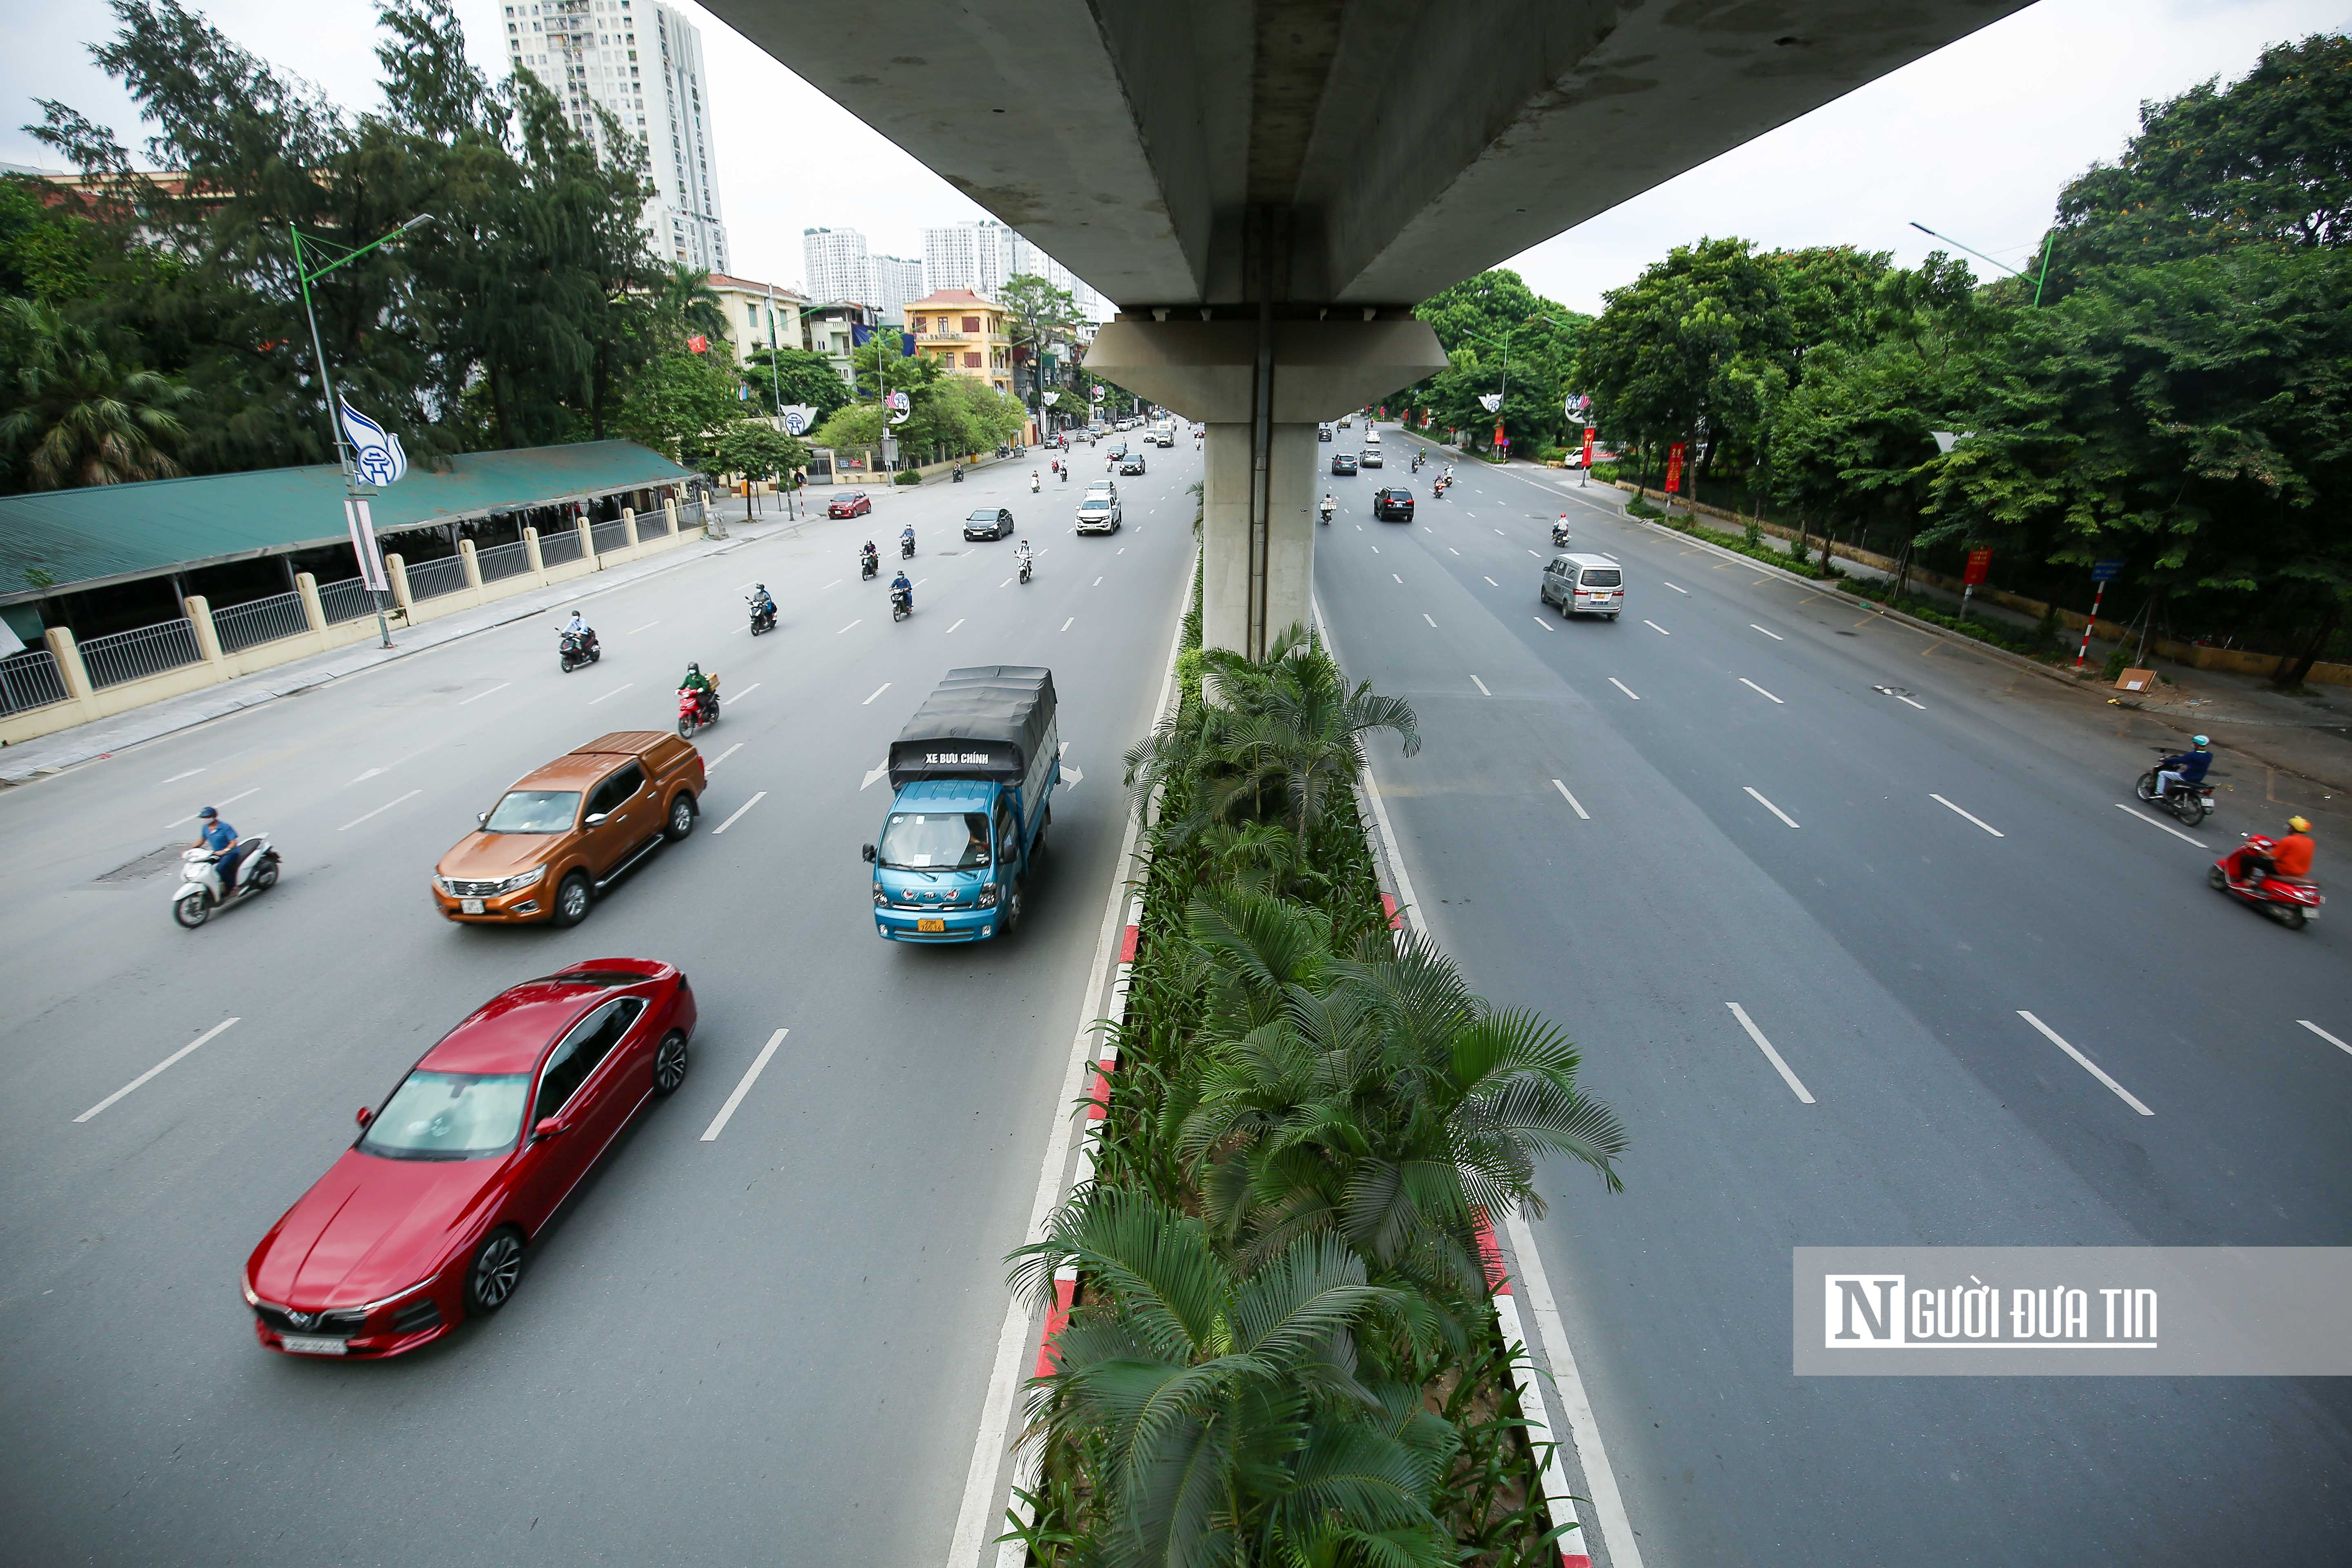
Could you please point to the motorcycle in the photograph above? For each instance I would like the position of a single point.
(2293, 901)
(902, 604)
(200, 891)
(956, 474)
(1024, 568)
(1032, 484)
(696, 710)
(1560, 535)
(576, 648)
(868, 565)
(1325, 512)
(1065, 476)
(2191, 802)
(906, 547)
(763, 615)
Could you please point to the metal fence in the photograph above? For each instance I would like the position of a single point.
(503, 560)
(149, 650)
(346, 601)
(259, 621)
(30, 680)
(558, 546)
(431, 579)
(610, 536)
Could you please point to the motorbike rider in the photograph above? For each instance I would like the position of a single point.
(1020, 557)
(900, 585)
(704, 687)
(578, 626)
(1033, 481)
(1330, 505)
(218, 837)
(869, 559)
(2289, 857)
(907, 539)
(1560, 529)
(2184, 767)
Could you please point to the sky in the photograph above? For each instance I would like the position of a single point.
(1974, 140)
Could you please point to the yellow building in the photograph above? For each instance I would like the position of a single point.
(965, 333)
(758, 314)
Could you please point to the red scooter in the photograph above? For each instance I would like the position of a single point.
(2293, 901)
(696, 710)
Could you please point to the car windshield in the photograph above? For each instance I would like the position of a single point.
(982, 516)
(449, 1116)
(935, 841)
(534, 811)
(1602, 577)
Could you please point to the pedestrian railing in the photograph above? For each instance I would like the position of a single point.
(30, 680)
(345, 601)
(431, 579)
(558, 546)
(260, 621)
(503, 560)
(610, 536)
(149, 650)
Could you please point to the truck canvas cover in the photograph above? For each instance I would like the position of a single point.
(985, 723)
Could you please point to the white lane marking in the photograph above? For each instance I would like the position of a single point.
(150, 1072)
(1574, 804)
(1676, 588)
(1096, 583)
(722, 756)
(379, 811)
(502, 686)
(1451, 551)
(365, 777)
(2326, 1036)
(1424, 616)
(1541, 621)
(1921, 706)
(1492, 584)
(1619, 684)
(739, 813)
(746, 691)
(1399, 580)
(175, 778)
(1657, 628)
(615, 692)
(1376, 549)
(2152, 821)
(1068, 624)
(1758, 690)
(750, 1075)
(960, 620)
(1769, 806)
(2087, 1065)
(1499, 533)
(230, 801)
(1121, 550)
(646, 627)
(1531, 552)
(1606, 556)
(1776, 637)
(835, 584)
(1796, 1087)
(881, 689)
(852, 626)
(1006, 584)
(1980, 822)
(875, 772)
(1481, 685)
(1072, 778)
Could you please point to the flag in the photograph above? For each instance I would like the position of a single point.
(375, 451)
(362, 527)
(698, 343)
(906, 345)
(860, 334)
(1674, 467)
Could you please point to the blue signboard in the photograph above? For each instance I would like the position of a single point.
(2106, 571)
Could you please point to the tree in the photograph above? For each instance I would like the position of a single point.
(1038, 314)
(73, 415)
(45, 254)
(758, 450)
(680, 405)
(803, 376)
(1473, 320)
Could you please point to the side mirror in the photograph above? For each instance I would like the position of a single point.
(594, 818)
(483, 817)
(547, 1127)
(366, 1117)
(867, 851)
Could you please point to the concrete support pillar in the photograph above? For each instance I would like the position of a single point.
(1259, 571)
(199, 611)
(669, 515)
(472, 565)
(629, 525)
(314, 614)
(530, 554)
(70, 668)
(397, 570)
(587, 541)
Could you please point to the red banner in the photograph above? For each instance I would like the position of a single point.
(1980, 564)
(1500, 439)
(1675, 468)
(698, 343)
(1588, 434)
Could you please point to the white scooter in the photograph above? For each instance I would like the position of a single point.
(200, 891)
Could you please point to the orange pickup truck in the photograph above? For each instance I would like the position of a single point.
(567, 831)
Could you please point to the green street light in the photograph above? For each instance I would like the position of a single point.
(1503, 397)
(303, 271)
(2049, 240)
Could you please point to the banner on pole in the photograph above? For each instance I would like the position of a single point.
(1979, 565)
(1675, 468)
(362, 527)
(1492, 402)
(698, 343)
(375, 451)
(798, 418)
(1588, 434)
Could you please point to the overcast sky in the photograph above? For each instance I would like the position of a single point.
(1975, 141)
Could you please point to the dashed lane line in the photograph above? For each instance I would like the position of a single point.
(1796, 1085)
(960, 620)
(1573, 804)
(2152, 821)
(615, 692)
(1758, 690)
(2085, 1062)
(1491, 583)
(192, 772)
(477, 696)
(1776, 637)
(2324, 1034)
(158, 1068)
(646, 627)
(738, 814)
(232, 800)
(747, 691)
(884, 686)
(1543, 623)
(743, 1086)
(852, 626)
(1657, 628)
(379, 811)
(1769, 806)
(1479, 684)
(1424, 616)
(1621, 685)
(1685, 592)
(1980, 822)
(722, 756)
(1068, 624)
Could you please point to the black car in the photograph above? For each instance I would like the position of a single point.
(1343, 462)
(1132, 464)
(988, 523)
(1393, 504)
(1118, 449)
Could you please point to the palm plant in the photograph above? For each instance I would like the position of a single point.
(684, 298)
(1227, 1409)
(74, 416)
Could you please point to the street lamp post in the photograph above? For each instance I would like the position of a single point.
(2014, 272)
(334, 418)
(1503, 396)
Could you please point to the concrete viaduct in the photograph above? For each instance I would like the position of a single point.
(1267, 189)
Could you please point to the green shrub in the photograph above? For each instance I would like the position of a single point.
(1751, 535)
(909, 477)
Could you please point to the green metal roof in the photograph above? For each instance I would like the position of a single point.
(111, 534)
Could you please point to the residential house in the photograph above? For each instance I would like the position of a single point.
(965, 333)
(759, 315)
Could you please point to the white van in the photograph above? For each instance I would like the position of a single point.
(1584, 585)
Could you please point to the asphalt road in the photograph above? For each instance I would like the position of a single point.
(771, 1346)
(1755, 820)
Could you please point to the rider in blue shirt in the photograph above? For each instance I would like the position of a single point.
(2185, 767)
(900, 585)
(218, 837)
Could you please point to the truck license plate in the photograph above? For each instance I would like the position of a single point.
(922, 925)
(470, 905)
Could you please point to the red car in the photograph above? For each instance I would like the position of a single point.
(854, 504)
(425, 1220)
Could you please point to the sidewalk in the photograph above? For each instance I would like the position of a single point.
(54, 753)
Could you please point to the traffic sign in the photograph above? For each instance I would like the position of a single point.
(1980, 564)
(2106, 571)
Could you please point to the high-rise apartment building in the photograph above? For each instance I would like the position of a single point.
(897, 280)
(982, 255)
(642, 61)
(838, 266)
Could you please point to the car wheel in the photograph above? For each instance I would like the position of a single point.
(192, 912)
(1565, 613)
(1013, 911)
(571, 900)
(681, 817)
(496, 1271)
(669, 1064)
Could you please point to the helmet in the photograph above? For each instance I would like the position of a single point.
(2200, 741)
(2298, 824)
(208, 814)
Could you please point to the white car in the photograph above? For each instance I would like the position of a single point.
(1099, 513)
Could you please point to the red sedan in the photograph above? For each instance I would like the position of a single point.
(854, 504)
(425, 1219)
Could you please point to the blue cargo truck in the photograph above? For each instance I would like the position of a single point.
(974, 773)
